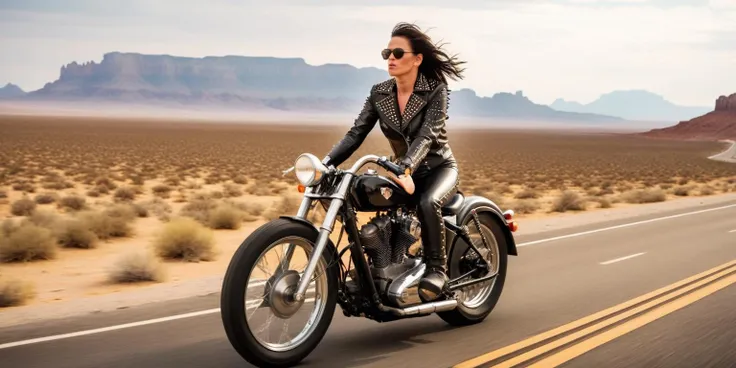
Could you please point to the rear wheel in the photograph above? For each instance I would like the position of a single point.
(262, 321)
(475, 302)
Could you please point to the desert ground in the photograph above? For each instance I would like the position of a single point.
(93, 206)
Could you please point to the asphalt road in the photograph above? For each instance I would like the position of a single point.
(559, 278)
(728, 155)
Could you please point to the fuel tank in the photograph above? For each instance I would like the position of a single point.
(372, 192)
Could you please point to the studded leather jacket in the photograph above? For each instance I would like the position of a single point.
(418, 138)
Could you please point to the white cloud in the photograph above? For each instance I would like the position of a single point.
(549, 50)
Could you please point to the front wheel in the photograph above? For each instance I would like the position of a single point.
(257, 289)
(475, 302)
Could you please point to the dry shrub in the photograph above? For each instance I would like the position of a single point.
(43, 218)
(7, 227)
(59, 184)
(125, 194)
(240, 179)
(3, 194)
(199, 209)
(286, 205)
(137, 267)
(46, 198)
(15, 292)
(75, 234)
(186, 239)
(160, 208)
(106, 225)
(624, 187)
(231, 190)
(317, 214)
(73, 202)
(140, 210)
(604, 203)
(23, 207)
(569, 201)
(527, 194)
(277, 187)
(173, 180)
(525, 206)
(259, 189)
(707, 190)
(212, 179)
(27, 242)
(125, 211)
(682, 190)
(640, 196)
(162, 190)
(181, 197)
(224, 216)
(24, 187)
(106, 183)
(101, 189)
(191, 184)
(503, 188)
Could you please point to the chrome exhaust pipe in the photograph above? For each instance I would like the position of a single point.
(428, 308)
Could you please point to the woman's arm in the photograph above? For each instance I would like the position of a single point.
(432, 126)
(363, 125)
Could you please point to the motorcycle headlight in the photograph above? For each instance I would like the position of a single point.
(309, 170)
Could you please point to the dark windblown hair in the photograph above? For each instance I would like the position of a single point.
(436, 63)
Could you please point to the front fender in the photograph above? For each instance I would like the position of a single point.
(485, 205)
(330, 245)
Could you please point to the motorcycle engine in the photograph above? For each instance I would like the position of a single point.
(386, 239)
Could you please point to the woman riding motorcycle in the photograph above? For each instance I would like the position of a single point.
(412, 108)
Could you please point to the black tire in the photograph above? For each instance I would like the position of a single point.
(232, 303)
(463, 315)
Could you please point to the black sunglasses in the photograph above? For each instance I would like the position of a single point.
(398, 53)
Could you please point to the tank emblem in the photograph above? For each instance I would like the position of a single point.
(386, 192)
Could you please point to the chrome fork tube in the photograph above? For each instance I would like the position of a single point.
(302, 213)
(324, 235)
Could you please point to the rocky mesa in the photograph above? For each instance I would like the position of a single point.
(263, 83)
(716, 125)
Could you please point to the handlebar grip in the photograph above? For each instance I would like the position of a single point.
(390, 166)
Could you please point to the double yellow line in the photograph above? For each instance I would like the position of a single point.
(586, 334)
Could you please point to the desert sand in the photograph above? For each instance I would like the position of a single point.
(143, 175)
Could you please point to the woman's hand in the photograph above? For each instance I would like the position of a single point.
(405, 181)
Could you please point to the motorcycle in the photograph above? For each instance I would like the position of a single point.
(387, 257)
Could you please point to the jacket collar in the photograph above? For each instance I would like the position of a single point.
(389, 86)
(388, 106)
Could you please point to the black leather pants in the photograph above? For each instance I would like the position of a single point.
(434, 189)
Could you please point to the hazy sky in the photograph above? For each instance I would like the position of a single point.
(575, 49)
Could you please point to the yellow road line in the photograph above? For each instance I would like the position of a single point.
(583, 321)
(598, 340)
(607, 322)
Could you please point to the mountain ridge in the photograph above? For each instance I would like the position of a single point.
(11, 90)
(633, 104)
(258, 82)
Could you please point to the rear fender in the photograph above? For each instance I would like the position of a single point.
(485, 205)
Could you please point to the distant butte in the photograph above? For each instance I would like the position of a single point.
(719, 124)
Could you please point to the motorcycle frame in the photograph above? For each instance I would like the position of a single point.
(342, 206)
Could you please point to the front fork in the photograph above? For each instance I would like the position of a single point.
(338, 199)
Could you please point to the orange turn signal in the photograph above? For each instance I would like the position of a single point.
(301, 188)
(513, 226)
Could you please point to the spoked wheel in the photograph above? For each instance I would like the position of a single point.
(475, 302)
(263, 322)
